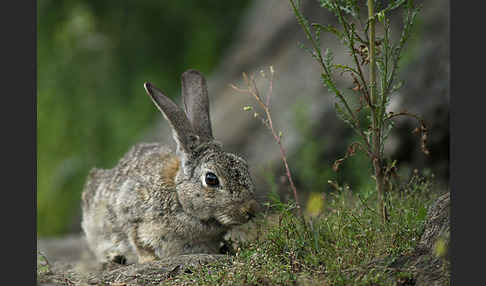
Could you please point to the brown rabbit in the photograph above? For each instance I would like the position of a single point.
(154, 203)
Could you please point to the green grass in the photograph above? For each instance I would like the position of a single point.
(336, 247)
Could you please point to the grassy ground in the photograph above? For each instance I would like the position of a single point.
(337, 246)
(342, 242)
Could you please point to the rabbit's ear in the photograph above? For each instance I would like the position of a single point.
(183, 132)
(196, 103)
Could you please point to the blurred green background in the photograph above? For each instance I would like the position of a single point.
(92, 59)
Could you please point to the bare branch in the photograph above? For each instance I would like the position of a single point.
(252, 89)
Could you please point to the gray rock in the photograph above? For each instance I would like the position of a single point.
(429, 262)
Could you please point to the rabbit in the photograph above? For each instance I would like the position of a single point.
(155, 203)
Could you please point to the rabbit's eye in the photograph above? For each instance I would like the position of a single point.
(211, 180)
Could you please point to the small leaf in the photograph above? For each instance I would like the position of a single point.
(315, 204)
(328, 28)
(381, 16)
(440, 247)
(337, 163)
(334, 185)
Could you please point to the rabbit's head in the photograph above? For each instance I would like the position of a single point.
(211, 184)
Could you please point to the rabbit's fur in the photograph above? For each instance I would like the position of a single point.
(155, 203)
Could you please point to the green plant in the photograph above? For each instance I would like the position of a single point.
(364, 107)
(311, 161)
(42, 263)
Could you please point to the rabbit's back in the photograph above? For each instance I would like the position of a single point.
(140, 188)
(151, 166)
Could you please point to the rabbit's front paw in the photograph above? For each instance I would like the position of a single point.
(117, 258)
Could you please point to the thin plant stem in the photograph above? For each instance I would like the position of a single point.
(375, 113)
(351, 46)
(268, 122)
(318, 53)
(310, 37)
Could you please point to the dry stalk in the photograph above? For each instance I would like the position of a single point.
(252, 89)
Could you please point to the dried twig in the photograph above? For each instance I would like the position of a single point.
(252, 89)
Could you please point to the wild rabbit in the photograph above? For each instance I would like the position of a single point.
(154, 203)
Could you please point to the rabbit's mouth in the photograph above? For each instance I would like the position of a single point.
(240, 215)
